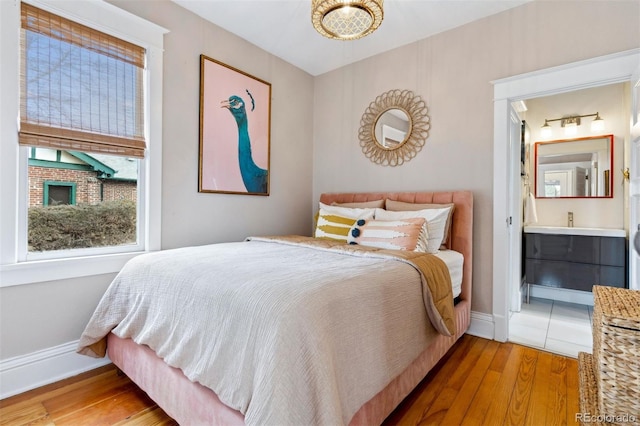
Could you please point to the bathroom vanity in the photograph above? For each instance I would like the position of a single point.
(575, 258)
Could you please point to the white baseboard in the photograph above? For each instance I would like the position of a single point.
(27, 372)
(481, 325)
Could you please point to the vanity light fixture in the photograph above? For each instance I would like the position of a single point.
(571, 123)
(346, 19)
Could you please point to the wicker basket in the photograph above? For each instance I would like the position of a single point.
(616, 350)
(588, 414)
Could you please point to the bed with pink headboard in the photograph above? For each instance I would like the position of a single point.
(192, 403)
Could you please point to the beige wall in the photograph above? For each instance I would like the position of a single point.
(48, 314)
(452, 71)
(43, 315)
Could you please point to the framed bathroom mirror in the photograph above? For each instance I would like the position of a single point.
(574, 168)
(394, 127)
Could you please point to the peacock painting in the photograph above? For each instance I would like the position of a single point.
(255, 179)
(235, 131)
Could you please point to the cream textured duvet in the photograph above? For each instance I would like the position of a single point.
(287, 331)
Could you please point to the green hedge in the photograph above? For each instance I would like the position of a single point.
(109, 223)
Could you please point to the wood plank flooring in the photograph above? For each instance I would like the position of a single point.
(479, 382)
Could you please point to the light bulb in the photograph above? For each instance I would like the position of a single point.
(571, 129)
(545, 131)
(597, 125)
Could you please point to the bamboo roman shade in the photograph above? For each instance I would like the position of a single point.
(81, 89)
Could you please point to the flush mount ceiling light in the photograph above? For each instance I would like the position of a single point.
(346, 19)
(571, 123)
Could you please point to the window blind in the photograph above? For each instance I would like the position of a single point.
(81, 89)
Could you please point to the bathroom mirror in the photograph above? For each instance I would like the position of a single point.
(394, 127)
(574, 168)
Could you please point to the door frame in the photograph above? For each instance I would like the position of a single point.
(615, 68)
(634, 181)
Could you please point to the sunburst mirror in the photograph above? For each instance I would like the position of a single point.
(394, 127)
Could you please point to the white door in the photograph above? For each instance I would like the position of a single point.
(515, 211)
(634, 184)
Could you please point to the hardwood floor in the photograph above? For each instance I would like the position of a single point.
(483, 382)
(479, 382)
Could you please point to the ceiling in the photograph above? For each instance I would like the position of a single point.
(283, 27)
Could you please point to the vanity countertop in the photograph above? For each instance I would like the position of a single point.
(566, 230)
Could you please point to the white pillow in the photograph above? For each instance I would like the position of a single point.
(366, 213)
(433, 235)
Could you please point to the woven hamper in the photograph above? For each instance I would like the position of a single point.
(616, 350)
(588, 392)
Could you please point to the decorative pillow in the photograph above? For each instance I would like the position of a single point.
(362, 204)
(387, 234)
(436, 221)
(348, 211)
(402, 206)
(335, 222)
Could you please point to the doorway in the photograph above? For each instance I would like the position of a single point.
(596, 72)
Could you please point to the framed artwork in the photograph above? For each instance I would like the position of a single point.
(235, 128)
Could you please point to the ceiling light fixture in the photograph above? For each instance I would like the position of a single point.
(346, 19)
(571, 123)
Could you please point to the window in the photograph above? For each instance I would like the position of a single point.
(88, 145)
(59, 193)
(81, 92)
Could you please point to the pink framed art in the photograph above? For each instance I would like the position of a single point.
(235, 121)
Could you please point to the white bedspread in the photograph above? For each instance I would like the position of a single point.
(303, 342)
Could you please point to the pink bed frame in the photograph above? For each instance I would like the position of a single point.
(193, 404)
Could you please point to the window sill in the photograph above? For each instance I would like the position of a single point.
(60, 269)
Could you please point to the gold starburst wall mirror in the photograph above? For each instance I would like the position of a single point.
(394, 127)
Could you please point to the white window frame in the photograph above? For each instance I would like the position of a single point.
(16, 267)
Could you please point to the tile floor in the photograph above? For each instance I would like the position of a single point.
(558, 327)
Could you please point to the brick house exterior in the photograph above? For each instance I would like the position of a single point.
(83, 178)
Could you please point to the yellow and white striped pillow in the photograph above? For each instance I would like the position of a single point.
(402, 234)
(335, 222)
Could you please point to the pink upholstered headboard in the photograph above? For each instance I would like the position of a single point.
(461, 229)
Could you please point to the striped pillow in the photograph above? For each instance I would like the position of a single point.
(335, 222)
(334, 227)
(436, 220)
(387, 234)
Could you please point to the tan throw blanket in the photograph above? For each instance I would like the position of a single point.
(288, 332)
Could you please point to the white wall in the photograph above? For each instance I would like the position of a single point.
(452, 71)
(612, 104)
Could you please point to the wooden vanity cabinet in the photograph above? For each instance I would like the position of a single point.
(575, 262)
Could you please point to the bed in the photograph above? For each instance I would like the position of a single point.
(337, 350)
